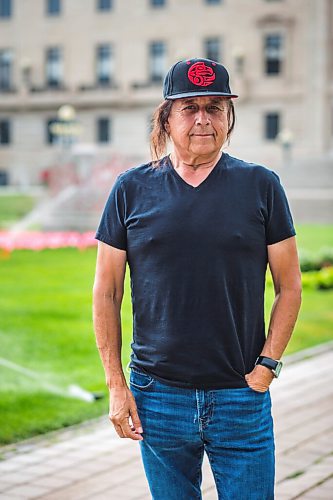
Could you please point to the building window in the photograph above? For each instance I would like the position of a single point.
(104, 64)
(54, 73)
(51, 138)
(212, 49)
(157, 61)
(4, 178)
(104, 5)
(272, 125)
(53, 7)
(157, 3)
(5, 132)
(273, 54)
(5, 69)
(103, 130)
(5, 8)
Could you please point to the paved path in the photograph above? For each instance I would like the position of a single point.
(90, 462)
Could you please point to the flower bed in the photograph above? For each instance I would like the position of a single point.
(34, 240)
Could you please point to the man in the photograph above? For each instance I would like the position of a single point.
(197, 229)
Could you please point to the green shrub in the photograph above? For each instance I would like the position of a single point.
(310, 280)
(325, 278)
(309, 261)
(326, 256)
(314, 280)
(314, 262)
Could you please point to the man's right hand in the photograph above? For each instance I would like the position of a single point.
(122, 409)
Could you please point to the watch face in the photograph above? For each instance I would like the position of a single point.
(277, 369)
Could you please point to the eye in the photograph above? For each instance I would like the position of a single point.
(213, 108)
(190, 107)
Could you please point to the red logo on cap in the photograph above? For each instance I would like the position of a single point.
(200, 74)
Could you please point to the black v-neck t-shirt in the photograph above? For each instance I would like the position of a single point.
(197, 258)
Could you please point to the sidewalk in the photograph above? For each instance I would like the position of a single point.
(90, 462)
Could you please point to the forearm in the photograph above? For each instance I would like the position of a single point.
(107, 325)
(282, 322)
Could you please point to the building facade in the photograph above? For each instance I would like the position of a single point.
(107, 59)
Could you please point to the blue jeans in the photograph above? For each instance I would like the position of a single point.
(233, 426)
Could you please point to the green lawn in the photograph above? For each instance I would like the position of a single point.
(46, 327)
(313, 238)
(13, 207)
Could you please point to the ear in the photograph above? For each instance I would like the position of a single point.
(167, 127)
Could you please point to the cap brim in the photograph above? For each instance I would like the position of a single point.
(199, 94)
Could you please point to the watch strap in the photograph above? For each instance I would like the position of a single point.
(272, 364)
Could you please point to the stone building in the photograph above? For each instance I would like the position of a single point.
(107, 58)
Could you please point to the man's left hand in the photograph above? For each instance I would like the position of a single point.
(260, 378)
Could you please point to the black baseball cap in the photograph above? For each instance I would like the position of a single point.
(196, 77)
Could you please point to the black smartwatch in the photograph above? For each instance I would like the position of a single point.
(274, 365)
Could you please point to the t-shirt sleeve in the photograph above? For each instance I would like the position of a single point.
(112, 229)
(279, 222)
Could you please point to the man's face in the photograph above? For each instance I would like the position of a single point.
(198, 126)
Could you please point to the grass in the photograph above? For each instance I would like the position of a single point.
(46, 326)
(315, 322)
(13, 207)
(313, 238)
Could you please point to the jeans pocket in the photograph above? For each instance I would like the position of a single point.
(256, 392)
(140, 379)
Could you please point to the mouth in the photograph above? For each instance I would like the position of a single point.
(203, 135)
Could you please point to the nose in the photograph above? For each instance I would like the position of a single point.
(202, 117)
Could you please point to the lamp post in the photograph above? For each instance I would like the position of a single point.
(66, 128)
(240, 82)
(286, 139)
(238, 54)
(26, 69)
